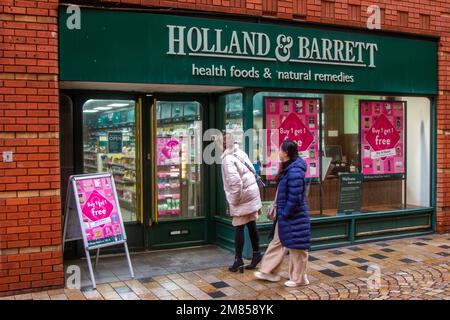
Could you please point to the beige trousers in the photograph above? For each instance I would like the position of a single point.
(274, 255)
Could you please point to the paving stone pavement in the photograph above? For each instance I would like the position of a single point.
(411, 268)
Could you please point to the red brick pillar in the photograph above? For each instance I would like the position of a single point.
(30, 215)
(443, 135)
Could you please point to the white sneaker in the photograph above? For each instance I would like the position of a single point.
(291, 284)
(267, 276)
(294, 284)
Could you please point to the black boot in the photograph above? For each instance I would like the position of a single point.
(237, 265)
(257, 257)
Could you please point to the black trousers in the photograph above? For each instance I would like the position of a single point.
(239, 238)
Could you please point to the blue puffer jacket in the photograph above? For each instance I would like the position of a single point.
(292, 211)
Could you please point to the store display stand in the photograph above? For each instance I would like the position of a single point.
(74, 228)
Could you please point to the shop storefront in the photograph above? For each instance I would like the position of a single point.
(142, 91)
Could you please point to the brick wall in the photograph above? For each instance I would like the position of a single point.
(30, 216)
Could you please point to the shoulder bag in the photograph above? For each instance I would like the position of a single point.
(259, 181)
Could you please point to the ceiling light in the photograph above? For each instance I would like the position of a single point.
(103, 108)
(90, 111)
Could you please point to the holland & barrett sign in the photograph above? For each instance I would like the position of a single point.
(121, 46)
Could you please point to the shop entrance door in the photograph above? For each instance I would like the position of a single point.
(175, 209)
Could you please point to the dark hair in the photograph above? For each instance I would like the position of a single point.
(290, 147)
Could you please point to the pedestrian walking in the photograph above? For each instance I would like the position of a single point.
(243, 197)
(291, 229)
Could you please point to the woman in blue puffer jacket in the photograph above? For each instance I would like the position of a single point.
(292, 225)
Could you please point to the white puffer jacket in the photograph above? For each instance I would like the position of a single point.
(239, 183)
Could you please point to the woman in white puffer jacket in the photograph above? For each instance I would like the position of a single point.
(243, 197)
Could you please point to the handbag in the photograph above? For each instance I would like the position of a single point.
(258, 179)
(272, 211)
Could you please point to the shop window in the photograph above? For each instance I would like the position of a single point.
(340, 137)
(178, 155)
(340, 133)
(392, 163)
(270, 109)
(109, 145)
(358, 131)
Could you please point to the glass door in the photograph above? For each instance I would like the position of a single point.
(111, 142)
(177, 208)
(178, 159)
(109, 145)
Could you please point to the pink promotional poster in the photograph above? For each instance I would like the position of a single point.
(294, 119)
(168, 151)
(382, 137)
(101, 221)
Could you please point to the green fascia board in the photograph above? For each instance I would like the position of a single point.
(135, 47)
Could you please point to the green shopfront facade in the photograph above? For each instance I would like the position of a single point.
(157, 83)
